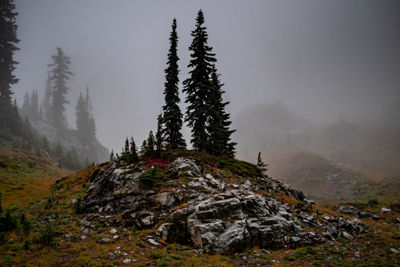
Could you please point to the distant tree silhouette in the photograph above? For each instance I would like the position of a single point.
(46, 104)
(26, 106)
(261, 166)
(59, 75)
(85, 122)
(34, 107)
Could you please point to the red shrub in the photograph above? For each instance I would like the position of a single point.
(149, 161)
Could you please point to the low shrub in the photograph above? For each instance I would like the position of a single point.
(150, 176)
(46, 235)
(78, 206)
(27, 244)
(8, 222)
(373, 201)
(26, 225)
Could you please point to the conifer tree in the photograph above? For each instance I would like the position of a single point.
(219, 141)
(84, 119)
(91, 122)
(133, 155)
(143, 148)
(8, 41)
(26, 106)
(112, 157)
(40, 112)
(34, 106)
(126, 150)
(150, 144)
(197, 86)
(60, 74)
(159, 135)
(80, 112)
(172, 113)
(47, 100)
(261, 166)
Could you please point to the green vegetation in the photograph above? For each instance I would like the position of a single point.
(387, 190)
(172, 115)
(47, 235)
(225, 164)
(25, 178)
(205, 113)
(151, 176)
(27, 243)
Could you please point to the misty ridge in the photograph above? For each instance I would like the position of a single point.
(346, 130)
(319, 72)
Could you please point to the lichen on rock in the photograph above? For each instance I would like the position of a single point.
(212, 214)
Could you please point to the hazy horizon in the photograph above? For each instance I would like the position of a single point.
(323, 59)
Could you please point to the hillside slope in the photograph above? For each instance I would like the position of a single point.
(84, 222)
(25, 177)
(317, 177)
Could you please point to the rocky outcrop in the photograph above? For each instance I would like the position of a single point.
(214, 215)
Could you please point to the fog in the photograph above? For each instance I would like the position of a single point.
(322, 59)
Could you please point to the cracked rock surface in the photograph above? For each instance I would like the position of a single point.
(216, 215)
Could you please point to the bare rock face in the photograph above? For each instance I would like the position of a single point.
(166, 199)
(209, 213)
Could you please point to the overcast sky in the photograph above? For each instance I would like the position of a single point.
(321, 58)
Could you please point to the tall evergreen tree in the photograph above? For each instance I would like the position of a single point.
(91, 122)
(197, 86)
(85, 122)
(261, 166)
(125, 151)
(159, 135)
(133, 155)
(150, 144)
(143, 148)
(81, 115)
(47, 109)
(26, 106)
(219, 142)
(60, 74)
(34, 107)
(8, 41)
(172, 113)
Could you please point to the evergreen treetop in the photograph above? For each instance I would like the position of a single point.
(84, 119)
(9, 118)
(159, 135)
(133, 155)
(8, 41)
(143, 148)
(47, 109)
(172, 116)
(261, 166)
(150, 144)
(59, 75)
(219, 142)
(197, 86)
